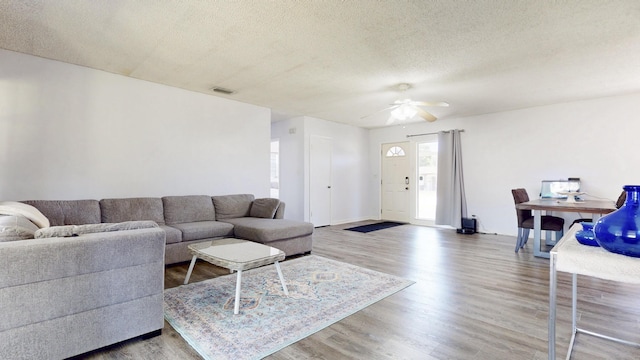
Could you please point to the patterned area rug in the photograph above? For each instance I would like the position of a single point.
(321, 292)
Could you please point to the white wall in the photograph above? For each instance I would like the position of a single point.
(69, 132)
(594, 140)
(350, 168)
(350, 193)
(291, 135)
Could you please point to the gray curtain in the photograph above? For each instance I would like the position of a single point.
(451, 201)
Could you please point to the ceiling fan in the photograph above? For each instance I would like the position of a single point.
(402, 110)
(407, 109)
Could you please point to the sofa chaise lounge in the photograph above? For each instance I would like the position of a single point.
(64, 296)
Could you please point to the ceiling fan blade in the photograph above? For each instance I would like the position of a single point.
(402, 101)
(379, 111)
(390, 120)
(427, 103)
(425, 115)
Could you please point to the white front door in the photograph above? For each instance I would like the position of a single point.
(320, 180)
(395, 182)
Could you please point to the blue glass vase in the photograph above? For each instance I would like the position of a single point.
(619, 231)
(586, 236)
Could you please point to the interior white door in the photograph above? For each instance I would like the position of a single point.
(395, 182)
(320, 180)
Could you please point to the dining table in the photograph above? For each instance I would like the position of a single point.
(596, 208)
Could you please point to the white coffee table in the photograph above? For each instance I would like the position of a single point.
(236, 255)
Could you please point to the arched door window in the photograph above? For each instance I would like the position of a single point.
(395, 151)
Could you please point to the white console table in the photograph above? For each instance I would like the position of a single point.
(572, 257)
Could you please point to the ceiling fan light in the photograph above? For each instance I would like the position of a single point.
(404, 112)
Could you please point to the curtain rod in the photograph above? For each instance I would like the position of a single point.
(434, 133)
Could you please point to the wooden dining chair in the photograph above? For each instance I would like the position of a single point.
(525, 220)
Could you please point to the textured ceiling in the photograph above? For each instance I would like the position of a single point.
(341, 60)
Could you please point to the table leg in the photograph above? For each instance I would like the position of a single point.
(284, 285)
(193, 263)
(236, 307)
(574, 306)
(548, 238)
(537, 234)
(552, 307)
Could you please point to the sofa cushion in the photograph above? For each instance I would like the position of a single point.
(173, 235)
(232, 206)
(204, 229)
(189, 208)
(131, 209)
(68, 212)
(264, 208)
(16, 227)
(30, 212)
(267, 230)
(75, 230)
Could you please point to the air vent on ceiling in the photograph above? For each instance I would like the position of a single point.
(222, 90)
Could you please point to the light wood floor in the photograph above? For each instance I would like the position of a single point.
(474, 298)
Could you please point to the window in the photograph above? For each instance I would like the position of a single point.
(395, 151)
(275, 169)
(427, 179)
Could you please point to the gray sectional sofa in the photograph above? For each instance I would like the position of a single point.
(190, 219)
(95, 277)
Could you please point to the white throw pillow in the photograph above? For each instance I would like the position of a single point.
(15, 227)
(28, 211)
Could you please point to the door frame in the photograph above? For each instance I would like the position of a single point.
(410, 149)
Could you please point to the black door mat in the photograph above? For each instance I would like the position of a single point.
(374, 227)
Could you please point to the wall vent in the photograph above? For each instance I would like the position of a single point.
(222, 90)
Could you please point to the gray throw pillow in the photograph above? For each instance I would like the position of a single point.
(74, 230)
(16, 227)
(232, 206)
(55, 231)
(264, 208)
